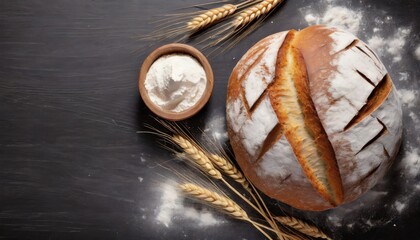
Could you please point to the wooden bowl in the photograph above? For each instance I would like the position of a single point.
(174, 48)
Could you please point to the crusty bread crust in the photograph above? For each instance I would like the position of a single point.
(330, 162)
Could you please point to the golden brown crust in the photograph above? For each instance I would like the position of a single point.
(313, 124)
(307, 59)
(291, 67)
(235, 80)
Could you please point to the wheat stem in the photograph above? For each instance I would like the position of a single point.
(229, 169)
(242, 196)
(272, 223)
(259, 229)
(201, 159)
(302, 227)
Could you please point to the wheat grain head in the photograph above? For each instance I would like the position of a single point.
(230, 170)
(216, 200)
(198, 156)
(254, 12)
(302, 227)
(210, 17)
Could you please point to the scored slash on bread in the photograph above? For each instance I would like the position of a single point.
(290, 96)
(313, 117)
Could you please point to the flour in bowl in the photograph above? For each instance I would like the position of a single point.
(175, 82)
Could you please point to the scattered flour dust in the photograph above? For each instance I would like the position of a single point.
(172, 208)
(410, 167)
(340, 16)
(408, 97)
(215, 128)
(400, 206)
(337, 16)
(403, 76)
(393, 45)
(415, 119)
(411, 163)
(417, 52)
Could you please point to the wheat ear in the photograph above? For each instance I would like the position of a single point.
(197, 156)
(211, 16)
(218, 201)
(302, 227)
(230, 170)
(254, 12)
(201, 159)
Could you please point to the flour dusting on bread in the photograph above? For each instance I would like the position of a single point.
(323, 120)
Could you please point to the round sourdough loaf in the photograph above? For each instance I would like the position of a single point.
(313, 117)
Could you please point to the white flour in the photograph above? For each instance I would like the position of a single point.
(393, 46)
(417, 52)
(411, 163)
(175, 82)
(337, 16)
(403, 76)
(215, 128)
(172, 208)
(408, 97)
(415, 119)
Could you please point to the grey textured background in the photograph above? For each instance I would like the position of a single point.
(70, 154)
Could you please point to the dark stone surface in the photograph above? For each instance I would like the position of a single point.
(70, 153)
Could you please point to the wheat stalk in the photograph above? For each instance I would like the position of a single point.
(211, 16)
(230, 170)
(207, 162)
(236, 29)
(302, 227)
(254, 12)
(198, 156)
(223, 203)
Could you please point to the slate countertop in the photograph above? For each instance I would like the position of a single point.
(72, 162)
